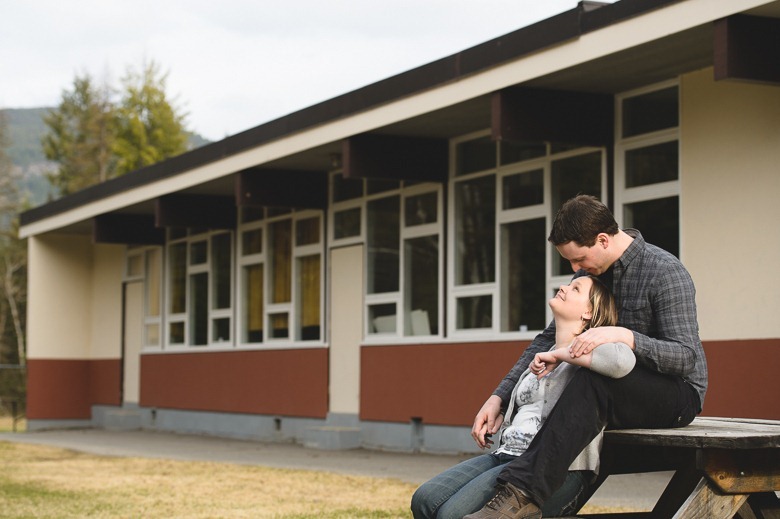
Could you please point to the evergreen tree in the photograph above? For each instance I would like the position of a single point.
(150, 128)
(81, 135)
(93, 138)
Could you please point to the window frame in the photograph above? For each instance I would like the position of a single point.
(496, 289)
(625, 196)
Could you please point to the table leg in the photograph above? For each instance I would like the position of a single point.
(704, 501)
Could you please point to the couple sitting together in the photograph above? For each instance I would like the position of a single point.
(628, 360)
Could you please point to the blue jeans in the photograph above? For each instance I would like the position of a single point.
(466, 487)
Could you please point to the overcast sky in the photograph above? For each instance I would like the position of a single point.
(234, 64)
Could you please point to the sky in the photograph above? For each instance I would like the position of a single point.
(234, 64)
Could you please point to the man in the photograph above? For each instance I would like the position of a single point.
(656, 318)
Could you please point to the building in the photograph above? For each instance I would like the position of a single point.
(364, 271)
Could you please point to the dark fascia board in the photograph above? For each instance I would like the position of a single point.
(586, 17)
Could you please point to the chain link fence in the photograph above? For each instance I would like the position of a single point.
(13, 393)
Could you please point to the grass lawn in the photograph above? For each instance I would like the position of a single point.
(38, 481)
(47, 482)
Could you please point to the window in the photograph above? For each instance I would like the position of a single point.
(501, 214)
(280, 276)
(401, 226)
(145, 264)
(647, 188)
(200, 288)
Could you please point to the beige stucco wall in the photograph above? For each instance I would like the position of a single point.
(74, 298)
(346, 328)
(108, 264)
(730, 212)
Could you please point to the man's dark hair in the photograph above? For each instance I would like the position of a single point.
(581, 219)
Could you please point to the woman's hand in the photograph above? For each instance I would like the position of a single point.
(487, 422)
(543, 364)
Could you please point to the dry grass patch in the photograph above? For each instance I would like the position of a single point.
(39, 481)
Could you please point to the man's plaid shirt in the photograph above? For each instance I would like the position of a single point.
(656, 299)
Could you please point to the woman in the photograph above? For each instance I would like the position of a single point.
(465, 488)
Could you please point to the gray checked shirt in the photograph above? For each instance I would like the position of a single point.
(656, 300)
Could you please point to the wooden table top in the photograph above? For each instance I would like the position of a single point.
(706, 432)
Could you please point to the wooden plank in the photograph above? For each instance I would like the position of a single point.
(533, 114)
(747, 48)
(705, 433)
(393, 157)
(282, 188)
(705, 502)
(196, 211)
(131, 229)
(741, 471)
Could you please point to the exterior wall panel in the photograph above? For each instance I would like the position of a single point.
(730, 152)
(66, 389)
(442, 384)
(59, 319)
(275, 382)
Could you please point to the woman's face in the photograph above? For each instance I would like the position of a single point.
(572, 301)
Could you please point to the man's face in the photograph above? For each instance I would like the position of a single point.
(594, 260)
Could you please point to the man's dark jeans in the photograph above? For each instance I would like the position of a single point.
(643, 399)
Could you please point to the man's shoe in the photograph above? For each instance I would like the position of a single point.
(508, 503)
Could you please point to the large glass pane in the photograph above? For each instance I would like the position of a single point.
(422, 285)
(420, 209)
(523, 189)
(176, 333)
(253, 304)
(474, 312)
(383, 244)
(221, 261)
(220, 329)
(346, 223)
(652, 164)
(135, 265)
(153, 282)
(152, 334)
(650, 112)
(309, 302)
(475, 155)
(199, 309)
(252, 242)
(307, 231)
(523, 281)
(520, 151)
(570, 177)
(178, 276)
(280, 234)
(280, 325)
(382, 318)
(657, 220)
(475, 230)
(198, 252)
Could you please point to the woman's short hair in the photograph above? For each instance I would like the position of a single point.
(604, 310)
(581, 219)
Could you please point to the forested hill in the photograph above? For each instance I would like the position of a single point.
(25, 129)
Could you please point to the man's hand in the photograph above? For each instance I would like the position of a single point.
(487, 422)
(544, 362)
(591, 339)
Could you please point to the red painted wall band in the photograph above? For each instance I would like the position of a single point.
(275, 382)
(446, 384)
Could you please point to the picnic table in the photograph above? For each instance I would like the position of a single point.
(723, 467)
